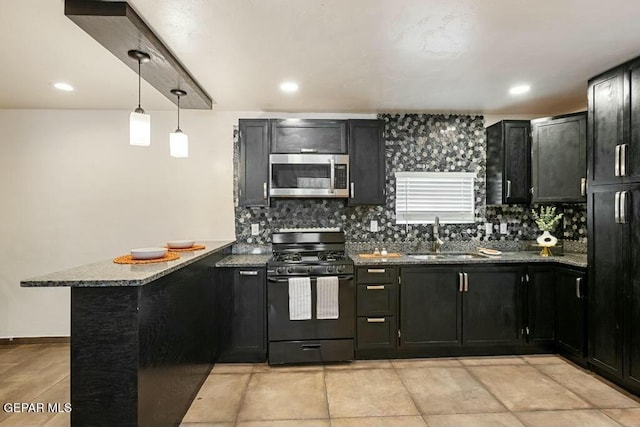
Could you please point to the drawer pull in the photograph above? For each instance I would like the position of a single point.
(375, 319)
(375, 287)
(249, 273)
(307, 347)
(376, 270)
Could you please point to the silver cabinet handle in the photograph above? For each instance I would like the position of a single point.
(308, 150)
(466, 282)
(578, 283)
(375, 288)
(583, 186)
(623, 160)
(375, 319)
(616, 207)
(264, 190)
(353, 190)
(623, 207)
(508, 188)
(248, 273)
(460, 283)
(616, 159)
(332, 181)
(376, 270)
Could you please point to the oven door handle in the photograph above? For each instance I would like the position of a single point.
(286, 279)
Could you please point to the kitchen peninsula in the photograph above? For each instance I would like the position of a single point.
(142, 336)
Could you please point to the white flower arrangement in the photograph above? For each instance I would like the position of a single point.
(547, 219)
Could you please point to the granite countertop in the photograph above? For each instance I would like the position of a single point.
(573, 260)
(107, 273)
(244, 260)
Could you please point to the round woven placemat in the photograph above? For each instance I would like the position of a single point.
(192, 248)
(128, 259)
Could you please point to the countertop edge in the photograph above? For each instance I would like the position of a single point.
(43, 281)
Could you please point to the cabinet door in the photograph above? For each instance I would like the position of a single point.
(376, 299)
(632, 150)
(294, 136)
(606, 98)
(366, 162)
(606, 279)
(517, 152)
(247, 338)
(491, 306)
(540, 305)
(254, 163)
(430, 304)
(559, 159)
(632, 248)
(570, 332)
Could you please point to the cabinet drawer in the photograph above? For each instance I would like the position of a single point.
(376, 274)
(316, 351)
(376, 332)
(376, 299)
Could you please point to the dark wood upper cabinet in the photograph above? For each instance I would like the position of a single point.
(296, 136)
(253, 178)
(559, 159)
(606, 126)
(631, 149)
(509, 162)
(366, 162)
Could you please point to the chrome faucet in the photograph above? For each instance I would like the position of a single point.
(437, 242)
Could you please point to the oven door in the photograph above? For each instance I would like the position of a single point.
(283, 329)
(308, 175)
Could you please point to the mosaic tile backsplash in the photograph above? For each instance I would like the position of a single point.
(414, 142)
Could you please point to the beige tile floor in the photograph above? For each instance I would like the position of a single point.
(449, 392)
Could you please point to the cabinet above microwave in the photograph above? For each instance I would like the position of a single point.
(298, 136)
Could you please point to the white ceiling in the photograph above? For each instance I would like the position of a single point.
(347, 55)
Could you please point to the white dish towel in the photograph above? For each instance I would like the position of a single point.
(327, 304)
(299, 298)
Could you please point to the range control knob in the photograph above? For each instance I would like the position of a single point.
(340, 268)
(290, 270)
(330, 269)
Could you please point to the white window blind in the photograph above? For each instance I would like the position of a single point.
(421, 196)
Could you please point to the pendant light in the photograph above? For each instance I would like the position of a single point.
(178, 140)
(139, 122)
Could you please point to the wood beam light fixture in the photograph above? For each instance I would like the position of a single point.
(117, 27)
(178, 140)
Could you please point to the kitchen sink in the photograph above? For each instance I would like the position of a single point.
(445, 255)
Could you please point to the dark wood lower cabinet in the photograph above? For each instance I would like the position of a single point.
(540, 306)
(243, 315)
(571, 313)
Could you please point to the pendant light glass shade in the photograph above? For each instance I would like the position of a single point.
(139, 128)
(178, 144)
(178, 140)
(139, 121)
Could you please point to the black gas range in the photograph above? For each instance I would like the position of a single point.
(310, 254)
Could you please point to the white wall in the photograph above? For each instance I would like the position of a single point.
(74, 191)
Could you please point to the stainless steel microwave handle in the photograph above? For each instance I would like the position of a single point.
(616, 160)
(332, 182)
(308, 150)
(248, 273)
(286, 279)
(376, 270)
(616, 207)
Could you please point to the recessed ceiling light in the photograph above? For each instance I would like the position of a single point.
(63, 86)
(289, 87)
(519, 90)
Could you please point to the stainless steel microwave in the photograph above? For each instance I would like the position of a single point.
(309, 175)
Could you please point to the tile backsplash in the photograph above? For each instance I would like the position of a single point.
(414, 142)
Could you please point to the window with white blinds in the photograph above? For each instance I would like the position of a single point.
(421, 196)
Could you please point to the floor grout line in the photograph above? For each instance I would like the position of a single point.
(413, 400)
(243, 396)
